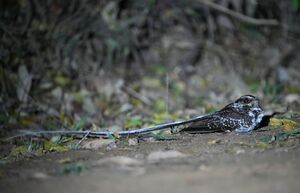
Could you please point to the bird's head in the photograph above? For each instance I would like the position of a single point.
(248, 101)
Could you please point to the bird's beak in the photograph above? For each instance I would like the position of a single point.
(258, 104)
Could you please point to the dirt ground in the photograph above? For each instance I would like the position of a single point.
(130, 64)
(218, 162)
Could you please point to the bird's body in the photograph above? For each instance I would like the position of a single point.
(243, 115)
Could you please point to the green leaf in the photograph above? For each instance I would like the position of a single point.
(280, 136)
(110, 136)
(159, 69)
(254, 86)
(18, 150)
(159, 118)
(160, 105)
(79, 124)
(295, 4)
(134, 122)
(151, 82)
(287, 134)
(76, 168)
(62, 80)
(161, 135)
(52, 146)
(55, 139)
(58, 139)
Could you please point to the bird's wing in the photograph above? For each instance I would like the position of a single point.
(223, 120)
(207, 124)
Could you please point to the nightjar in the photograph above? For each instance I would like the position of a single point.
(243, 115)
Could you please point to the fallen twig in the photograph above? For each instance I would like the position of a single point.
(79, 142)
(138, 96)
(239, 16)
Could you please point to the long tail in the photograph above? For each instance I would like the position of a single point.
(183, 124)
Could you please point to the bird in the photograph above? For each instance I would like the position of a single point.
(243, 115)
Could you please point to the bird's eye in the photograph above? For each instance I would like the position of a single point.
(246, 101)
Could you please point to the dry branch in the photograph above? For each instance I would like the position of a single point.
(239, 16)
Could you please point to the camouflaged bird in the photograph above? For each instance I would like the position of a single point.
(243, 115)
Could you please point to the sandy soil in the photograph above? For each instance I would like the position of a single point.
(219, 162)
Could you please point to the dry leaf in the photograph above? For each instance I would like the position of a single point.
(132, 141)
(121, 161)
(40, 176)
(96, 144)
(286, 124)
(116, 135)
(159, 155)
(214, 141)
(24, 83)
(64, 160)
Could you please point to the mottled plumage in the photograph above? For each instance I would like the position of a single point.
(243, 115)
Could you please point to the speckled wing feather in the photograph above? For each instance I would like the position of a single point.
(226, 119)
(203, 125)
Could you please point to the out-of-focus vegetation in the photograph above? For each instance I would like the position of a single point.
(129, 63)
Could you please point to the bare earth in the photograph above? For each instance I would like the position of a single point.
(218, 162)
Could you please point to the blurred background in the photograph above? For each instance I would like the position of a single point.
(127, 63)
